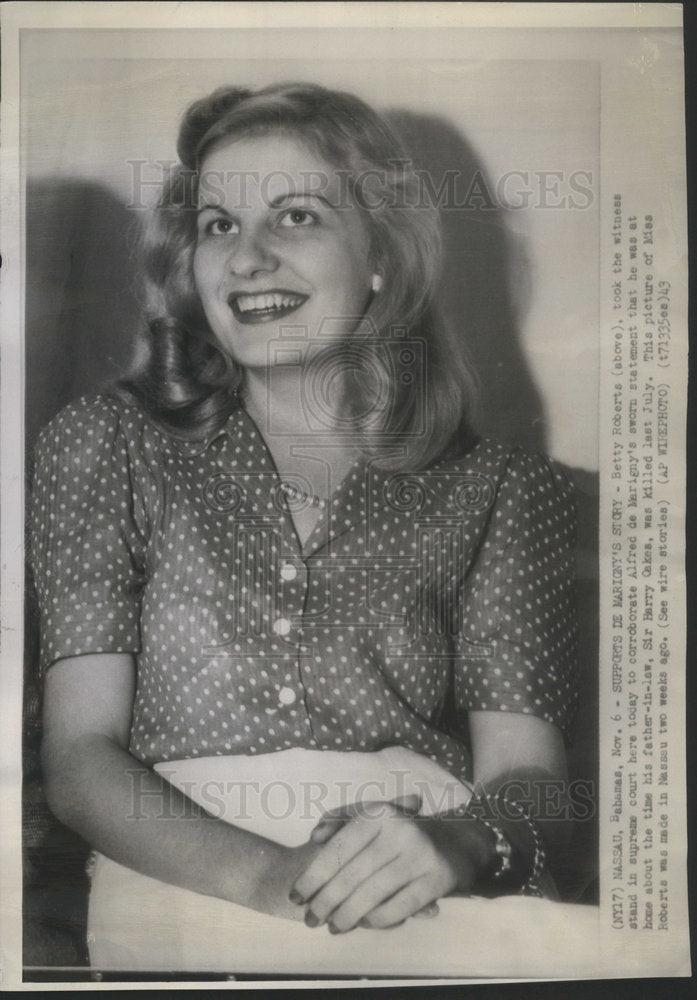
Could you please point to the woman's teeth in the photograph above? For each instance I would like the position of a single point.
(272, 300)
(264, 307)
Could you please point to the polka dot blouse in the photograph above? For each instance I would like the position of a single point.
(416, 599)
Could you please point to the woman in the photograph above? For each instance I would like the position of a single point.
(283, 540)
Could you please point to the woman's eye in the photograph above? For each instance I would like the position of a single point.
(219, 227)
(297, 217)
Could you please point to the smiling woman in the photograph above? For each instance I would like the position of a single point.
(283, 539)
(298, 189)
(285, 250)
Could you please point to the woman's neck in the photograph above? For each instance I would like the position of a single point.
(284, 402)
(302, 439)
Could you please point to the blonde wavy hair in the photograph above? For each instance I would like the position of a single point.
(190, 385)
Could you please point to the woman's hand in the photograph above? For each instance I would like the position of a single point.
(380, 864)
(275, 892)
(284, 866)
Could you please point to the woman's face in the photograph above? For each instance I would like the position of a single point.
(278, 246)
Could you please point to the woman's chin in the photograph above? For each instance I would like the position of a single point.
(254, 348)
(276, 349)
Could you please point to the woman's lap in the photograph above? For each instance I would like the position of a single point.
(137, 923)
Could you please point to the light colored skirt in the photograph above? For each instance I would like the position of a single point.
(138, 923)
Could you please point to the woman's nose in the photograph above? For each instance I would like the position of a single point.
(252, 254)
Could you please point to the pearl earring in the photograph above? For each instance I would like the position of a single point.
(377, 282)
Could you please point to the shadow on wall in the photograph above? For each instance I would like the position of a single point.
(82, 316)
(486, 278)
(485, 292)
(82, 312)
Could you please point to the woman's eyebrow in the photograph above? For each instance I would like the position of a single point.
(291, 195)
(212, 208)
(275, 203)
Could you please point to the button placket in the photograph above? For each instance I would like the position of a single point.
(290, 597)
(304, 663)
(291, 591)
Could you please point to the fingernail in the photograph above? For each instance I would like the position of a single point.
(363, 922)
(294, 896)
(333, 929)
(311, 919)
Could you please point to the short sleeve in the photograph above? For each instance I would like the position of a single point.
(517, 642)
(87, 548)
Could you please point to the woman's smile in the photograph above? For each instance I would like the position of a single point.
(285, 245)
(264, 307)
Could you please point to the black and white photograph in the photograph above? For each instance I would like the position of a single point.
(343, 417)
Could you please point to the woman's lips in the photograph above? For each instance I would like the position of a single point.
(263, 307)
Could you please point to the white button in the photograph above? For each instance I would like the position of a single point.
(281, 626)
(286, 696)
(288, 571)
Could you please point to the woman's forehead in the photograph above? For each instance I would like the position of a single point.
(268, 168)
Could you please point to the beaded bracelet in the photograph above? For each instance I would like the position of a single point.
(531, 886)
(502, 846)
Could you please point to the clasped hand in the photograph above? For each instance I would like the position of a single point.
(380, 864)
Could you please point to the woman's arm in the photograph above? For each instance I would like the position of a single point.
(521, 758)
(525, 755)
(382, 863)
(505, 743)
(130, 813)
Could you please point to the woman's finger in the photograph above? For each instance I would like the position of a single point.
(409, 804)
(406, 902)
(369, 895)
(336, 853)
(334, 819)
(325, 829)
(362, 868)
